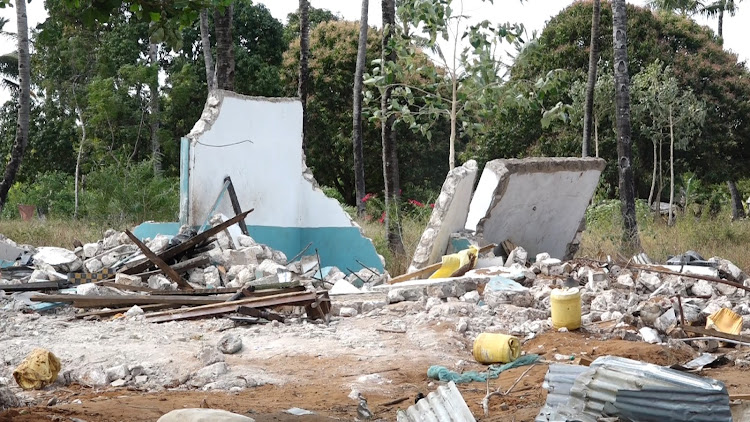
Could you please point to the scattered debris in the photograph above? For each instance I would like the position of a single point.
(444, 404)
(39, 369)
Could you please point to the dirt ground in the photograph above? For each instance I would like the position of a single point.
(321, 383)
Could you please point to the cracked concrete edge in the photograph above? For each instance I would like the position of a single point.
(503, 168)
(213, 106)
(443, 204)
(211, 112)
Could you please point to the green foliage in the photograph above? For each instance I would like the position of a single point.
(315, 16)
(51, 193)
(130, 193)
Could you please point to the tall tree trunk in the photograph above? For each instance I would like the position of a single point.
(154, 108)
(390, 158)
(359, 162)
(208, 58)
(454, 106)
(653, 182)
(591, 83)
(671, 167)
(224, 48)
(24, 104)
(80, 151)
(304, 71)
(721, 19)
(738, 211)
(631, 242)
(657, 214)
(596, 136)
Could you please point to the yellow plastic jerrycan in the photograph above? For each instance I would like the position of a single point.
(566, 308)
(496, 348)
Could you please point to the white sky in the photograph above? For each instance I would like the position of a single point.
(532, 13)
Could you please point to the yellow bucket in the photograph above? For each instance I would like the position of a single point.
(566, 308)
(496, 348)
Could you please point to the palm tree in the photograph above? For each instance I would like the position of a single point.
(224, 48)
(718, 8)
(24, 103)
(683, 7)
(622, 117)
(359, 166)
(8, 63)
(591, 83)
(208, 58)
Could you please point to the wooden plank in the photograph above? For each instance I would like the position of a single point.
(236, 205)
(259, 313)
(296, 298)
(168, 271)
(714, 333)
(30, 287)
(188, 244)
(739, 397)
(662, 270)
(428, 270)
(110, 301)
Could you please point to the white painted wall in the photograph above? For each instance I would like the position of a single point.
(267, 172)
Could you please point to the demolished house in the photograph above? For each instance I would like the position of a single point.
(259, 245)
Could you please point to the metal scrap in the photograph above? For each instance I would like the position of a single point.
(443, 404)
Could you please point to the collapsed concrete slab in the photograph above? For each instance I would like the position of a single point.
(536, 203)
(448, 216)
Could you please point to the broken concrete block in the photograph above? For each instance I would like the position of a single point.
(93, 265)
(159, 282)
(195, 276)
(90, 250)
(343, 287)
(547, 220)
(733, 272)
(246, 275)
(109, 259)
(448, 215)
(244, 256)
(702, 288)
(649, 335)
(624, 281)
(8, 398)
(230, 344)
(347, 312)
(116, 372)
(517, 255)
(203, 415)
(211, 277)
(472, 296)
(463, 325)
(279, 257)
(60, 259)
(245, 241)
(650, 281)
(666, 321)
(208, 374)
(209, 355)
(371, 305)
(269, 267)
(134, 311)
(725, 290)
(158, 244)
(129, 280)
(551, 266)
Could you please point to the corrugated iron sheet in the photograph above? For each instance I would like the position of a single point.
(628, 388)
(558, 382)
(444, 404)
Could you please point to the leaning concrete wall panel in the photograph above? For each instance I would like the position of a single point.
(448, 216)
(537, 203)
(258, 143)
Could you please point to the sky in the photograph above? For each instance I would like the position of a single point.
(532, 13)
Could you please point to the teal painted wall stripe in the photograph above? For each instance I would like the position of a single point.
(338, 246)
(184, 179)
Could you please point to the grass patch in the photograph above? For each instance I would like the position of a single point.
(709, 237)
(51, 232)
(411, 232)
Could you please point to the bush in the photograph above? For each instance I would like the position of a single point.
(52, 193)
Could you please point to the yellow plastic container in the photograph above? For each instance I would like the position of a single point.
(496, 348)
(566, 308)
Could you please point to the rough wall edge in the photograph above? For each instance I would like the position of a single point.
(211, 111)
(504, 167)
(213, 106)
(437, 215)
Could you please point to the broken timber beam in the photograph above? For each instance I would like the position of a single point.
(109, 301)
(168, 271)
(111, 312)
(259, 313)
(296, 298)
(236, 205)
(188, 244)
(714, 333)
(428, 270)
